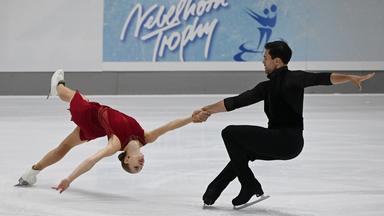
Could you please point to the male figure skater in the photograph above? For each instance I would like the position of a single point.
(283, 104)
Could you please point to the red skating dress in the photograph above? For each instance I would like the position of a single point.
(96, 120)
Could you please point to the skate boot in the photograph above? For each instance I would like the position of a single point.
(212, 193)
(246, 193)
(57, 77)
(28, 178)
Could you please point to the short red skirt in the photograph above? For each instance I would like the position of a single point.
(96, 120)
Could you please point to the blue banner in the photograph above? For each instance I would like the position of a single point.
(237, 30)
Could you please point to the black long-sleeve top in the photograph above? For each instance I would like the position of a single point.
(283, 96)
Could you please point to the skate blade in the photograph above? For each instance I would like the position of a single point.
(22, 183)
(205, 206)
(264, 197)
(49, 94)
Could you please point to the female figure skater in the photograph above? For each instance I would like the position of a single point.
(94, 120)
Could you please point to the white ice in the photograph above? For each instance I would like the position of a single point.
(339, 172)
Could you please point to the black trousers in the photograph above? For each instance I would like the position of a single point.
(248, 143)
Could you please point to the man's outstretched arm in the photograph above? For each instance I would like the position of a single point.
(337, 78)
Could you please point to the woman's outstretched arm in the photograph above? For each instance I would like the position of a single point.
(112, 147)
(151, 136)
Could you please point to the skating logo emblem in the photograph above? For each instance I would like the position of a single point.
(266, 24)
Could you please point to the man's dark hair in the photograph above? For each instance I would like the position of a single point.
(279, 49)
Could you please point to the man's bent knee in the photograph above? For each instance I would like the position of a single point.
(227, 132)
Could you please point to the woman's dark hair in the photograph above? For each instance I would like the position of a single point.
(125, 166)
(279, 49)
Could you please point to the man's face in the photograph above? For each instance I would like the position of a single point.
(269, 64)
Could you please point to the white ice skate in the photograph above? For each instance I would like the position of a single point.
(55, 79)
(28, 178)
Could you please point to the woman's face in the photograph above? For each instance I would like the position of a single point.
(135, 161)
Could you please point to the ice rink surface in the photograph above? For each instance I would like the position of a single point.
(339, 172)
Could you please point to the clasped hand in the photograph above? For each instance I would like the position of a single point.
(199, 116)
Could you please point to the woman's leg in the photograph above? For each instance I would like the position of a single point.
(66, 94)
(53, 156)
